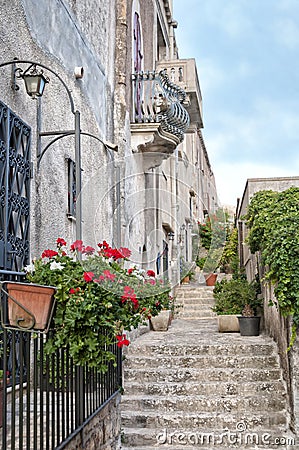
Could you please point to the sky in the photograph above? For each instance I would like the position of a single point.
(247, 56)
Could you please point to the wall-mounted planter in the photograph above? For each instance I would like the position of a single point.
(28, 306)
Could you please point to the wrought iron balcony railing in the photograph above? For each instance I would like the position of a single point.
(158, 101)
(183, 73)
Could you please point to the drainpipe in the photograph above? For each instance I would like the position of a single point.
(120, 111)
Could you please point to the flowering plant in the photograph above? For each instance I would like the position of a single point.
(97, 298)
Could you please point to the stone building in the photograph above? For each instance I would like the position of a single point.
(110, 149)
(275, 324)
(149, 193)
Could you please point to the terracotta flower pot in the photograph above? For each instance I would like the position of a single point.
(33, 305)
(211, 279)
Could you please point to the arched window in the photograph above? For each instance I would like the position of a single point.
(137, 44)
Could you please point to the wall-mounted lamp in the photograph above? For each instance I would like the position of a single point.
(35, 81)
(170, 236)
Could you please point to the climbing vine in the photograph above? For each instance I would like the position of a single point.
(273, 221)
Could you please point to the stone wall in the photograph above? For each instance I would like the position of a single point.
(103, 432)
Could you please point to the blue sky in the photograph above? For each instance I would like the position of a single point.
(247, 55)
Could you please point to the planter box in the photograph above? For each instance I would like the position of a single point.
(228, 323)
(161, 321)
(33, 305)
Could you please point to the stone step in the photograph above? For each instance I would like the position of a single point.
(201, 362)
(180, 296)
(196, 314)
(229, 388)
(196, 301)
(151, 439)
(203, 403)
(231, 346)
(204, 421)
(199, 314)
(202, 303)
(146, 375)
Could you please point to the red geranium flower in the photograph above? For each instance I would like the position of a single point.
(77, 245)
(74, 290)
(125, 252)
(49, 253)
(108, 275)
(60, 242)
(122, 340)
(130, 271)
(151, 273)
(88, 276)
(88, 250)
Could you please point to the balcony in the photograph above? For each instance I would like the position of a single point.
(183, 73)
(159, 116)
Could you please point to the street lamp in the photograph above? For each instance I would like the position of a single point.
(35, 81)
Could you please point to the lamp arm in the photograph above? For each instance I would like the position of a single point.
(107, 146)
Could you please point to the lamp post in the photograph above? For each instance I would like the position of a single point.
(35, 81)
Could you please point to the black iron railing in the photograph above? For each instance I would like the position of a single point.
(47, 400)
(157, 100)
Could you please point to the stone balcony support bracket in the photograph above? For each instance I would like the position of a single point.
(159, 117)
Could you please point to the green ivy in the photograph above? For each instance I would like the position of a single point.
(273, 220)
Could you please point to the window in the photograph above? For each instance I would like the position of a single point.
(71, 188)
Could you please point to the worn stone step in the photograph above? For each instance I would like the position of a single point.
(203, 403)
(186, 295)
(233, 347)
(229, 388)
(201, 362)
(204, 421)
(147, 438)
(199, 314)
(197, 301)
(146, 375)
(197, 306)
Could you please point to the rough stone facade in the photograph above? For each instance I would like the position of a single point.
(129, 198)
(102, 431)
(275, 325)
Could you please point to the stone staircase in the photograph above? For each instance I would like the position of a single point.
(193, 387)
(195, 302)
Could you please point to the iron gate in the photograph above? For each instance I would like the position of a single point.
(15, 174)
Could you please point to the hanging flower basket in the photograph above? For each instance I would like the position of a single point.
(29, 307)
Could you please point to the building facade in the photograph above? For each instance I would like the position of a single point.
(113, 81)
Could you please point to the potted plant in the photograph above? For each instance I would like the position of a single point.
(211, 265)
(231, 296)
(186, 269)
(97, 299)
(30, 306)
(162, 320)
(249, 322)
